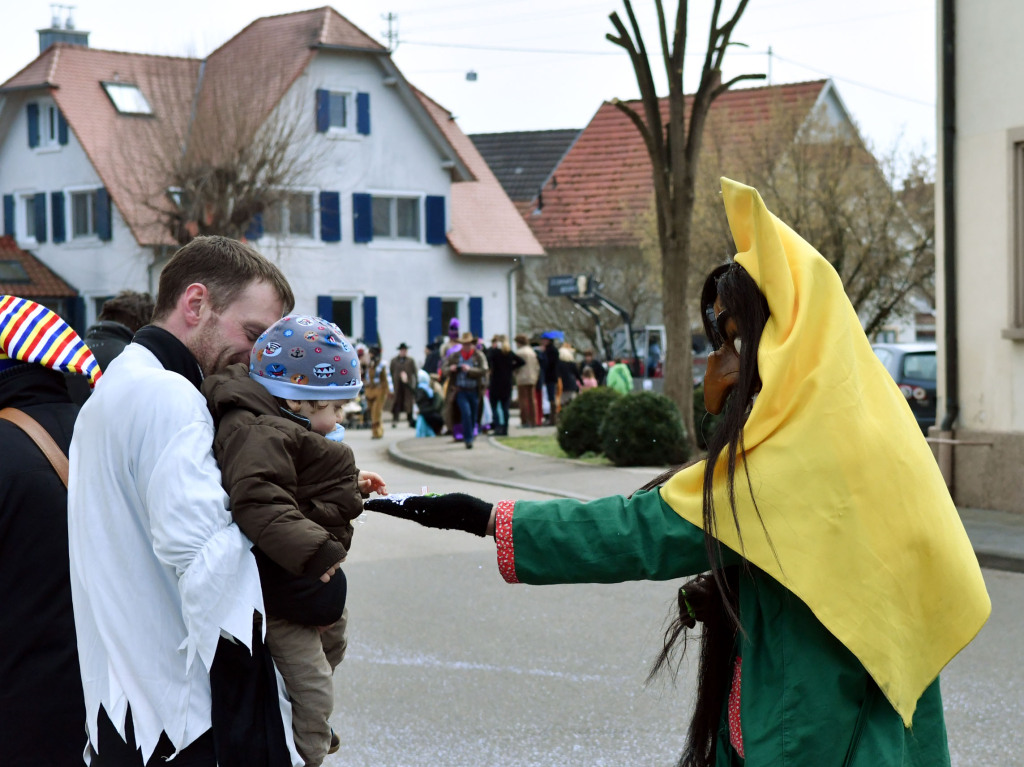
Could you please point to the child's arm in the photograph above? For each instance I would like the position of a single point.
(370, 482)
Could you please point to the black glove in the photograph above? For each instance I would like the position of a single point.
(454, 511)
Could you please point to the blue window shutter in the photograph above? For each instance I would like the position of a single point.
(433, 318)
(476, 316)
(325, 308)
(104, 221)
(255, 229)
(74, 313)
(363, 113)
(62, 129)
(323, 111)
(435, 221)
(33, 125)
(39, 203)
(362, 217)
(57, 211)
(330, 217)
(370, 320)
(9, 215)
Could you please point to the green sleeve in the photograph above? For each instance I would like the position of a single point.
(609, 540)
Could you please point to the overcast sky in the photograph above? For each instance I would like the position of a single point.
(546, 64)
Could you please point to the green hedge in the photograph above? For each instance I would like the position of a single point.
(644, 429)
(579, 424)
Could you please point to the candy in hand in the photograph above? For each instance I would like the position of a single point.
(454, 511)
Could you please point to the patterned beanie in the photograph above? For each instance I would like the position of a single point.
(29, 332)
(305, 358)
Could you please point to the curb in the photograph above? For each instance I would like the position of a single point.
(430, 467)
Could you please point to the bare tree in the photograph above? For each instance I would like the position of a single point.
(224, 147)
(872, 218)
(673, 143)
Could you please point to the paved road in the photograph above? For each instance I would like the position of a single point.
(449, 666)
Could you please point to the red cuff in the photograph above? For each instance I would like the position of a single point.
(503, 539)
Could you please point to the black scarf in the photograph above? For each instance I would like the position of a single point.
(170, 352)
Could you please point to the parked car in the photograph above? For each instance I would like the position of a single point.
(912, 366)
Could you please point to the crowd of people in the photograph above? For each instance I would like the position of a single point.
(173, 547)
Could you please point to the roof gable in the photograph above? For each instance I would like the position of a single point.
(603, 185)
(524, 160)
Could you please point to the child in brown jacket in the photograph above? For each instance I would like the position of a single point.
(294, 492)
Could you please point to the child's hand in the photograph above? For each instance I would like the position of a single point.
(330, 571)
(371, 482)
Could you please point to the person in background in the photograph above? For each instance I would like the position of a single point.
(595, 365)
(116, 323)
(451, 343)
(503, 364)
(375, 388)
(432, 358)
(166, 591)
(568, 376)
(651, 369)
(587, 378)
(526, 382)
(619, 377)
(42, 712)
(430, 404)
(403, 376)
(549, 365)
(463, 370)
(295, 495)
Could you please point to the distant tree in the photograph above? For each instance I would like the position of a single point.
(224, 151)
(872, 218)
(673, 142)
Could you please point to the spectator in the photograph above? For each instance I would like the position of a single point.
(42, 713)
(526, 382)
(502, 364)
(595, 365)
(432, 358)
(403, 375)
(430, 404)
(463, 370)
(619, 377)
(587, 378)
(568, 375)
(115, 325)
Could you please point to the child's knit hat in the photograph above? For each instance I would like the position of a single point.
(305, 358)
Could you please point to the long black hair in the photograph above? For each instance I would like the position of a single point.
(716, 603)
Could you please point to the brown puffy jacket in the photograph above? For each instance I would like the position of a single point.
(293, 492)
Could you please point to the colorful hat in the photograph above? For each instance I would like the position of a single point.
(29, 332)
(305, 358)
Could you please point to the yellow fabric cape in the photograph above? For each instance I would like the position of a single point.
(862, 524)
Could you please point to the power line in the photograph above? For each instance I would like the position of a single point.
(509, 49)
(855, 82)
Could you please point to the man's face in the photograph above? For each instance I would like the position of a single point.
(225, 338)
(403, 352)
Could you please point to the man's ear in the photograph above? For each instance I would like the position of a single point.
(194, 303)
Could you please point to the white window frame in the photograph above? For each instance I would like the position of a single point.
(356, 300)
(23, 201)
(349, 128)
(314, 214)
(69, 214)
(127, 98)
(394, 240)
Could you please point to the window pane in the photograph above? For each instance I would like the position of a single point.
(82, 219)
(341, 311)
(51, 124)
(382, 216)
(338, 108)
(30, 216)
(273, 222)
(408, 217)
(300, 214)
(127, 98)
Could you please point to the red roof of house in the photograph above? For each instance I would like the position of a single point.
(22, 274)
(483, 219)
(603, 186)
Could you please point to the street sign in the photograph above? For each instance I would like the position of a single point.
(569, 285)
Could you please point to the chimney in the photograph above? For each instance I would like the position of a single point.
(62, 29)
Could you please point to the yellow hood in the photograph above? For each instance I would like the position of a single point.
(863, 528)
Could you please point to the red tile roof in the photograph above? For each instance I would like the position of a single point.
(603, 185)
(41, 281)
(484, 220)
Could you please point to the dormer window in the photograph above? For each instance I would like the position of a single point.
(127, 99)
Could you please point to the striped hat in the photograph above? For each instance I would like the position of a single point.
(29, 332)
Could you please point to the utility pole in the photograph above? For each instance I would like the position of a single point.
(769, 65)
(391, 35)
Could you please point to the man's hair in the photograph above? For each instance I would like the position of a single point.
(130, 308)
(225, 266)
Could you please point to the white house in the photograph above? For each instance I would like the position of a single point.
(980, 252)
(397, 226)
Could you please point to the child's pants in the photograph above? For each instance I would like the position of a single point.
(307, 659)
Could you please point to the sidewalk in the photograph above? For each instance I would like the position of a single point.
(997, 536)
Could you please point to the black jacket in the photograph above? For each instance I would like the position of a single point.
(502, 365)
(42, 713)
(105, 340)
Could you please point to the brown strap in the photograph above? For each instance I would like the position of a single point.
(42, 438)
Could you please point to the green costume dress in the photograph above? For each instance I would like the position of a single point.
(805, 699)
